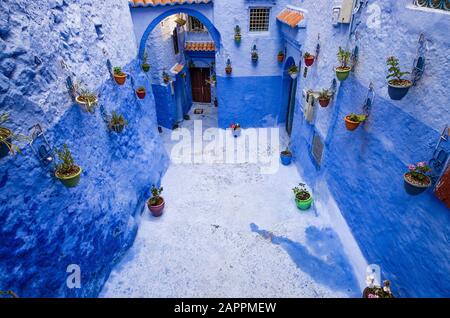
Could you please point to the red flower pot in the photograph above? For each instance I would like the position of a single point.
(280, 58)
(309, 60)
(324, 102)
(140, 93)
(156, 210)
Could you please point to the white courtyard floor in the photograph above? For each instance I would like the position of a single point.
(230, 231)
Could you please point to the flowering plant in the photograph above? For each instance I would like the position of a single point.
(419, 171)
(235, 126)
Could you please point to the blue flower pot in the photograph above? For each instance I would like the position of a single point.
(286, 159)
(397, 92)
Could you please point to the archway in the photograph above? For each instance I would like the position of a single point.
(207, 23)
(289, 91)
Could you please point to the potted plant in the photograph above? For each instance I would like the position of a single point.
(67, 171)
(324, 98)
(303, 197)
(166, 78)
(145, 66)
(416, 179)
(280, 56)
(87, 100)
(398, 86)
(156, 203)
(237, 34)
(6, 138)
(353, 121)
(286, 157)
(119, 76)
(140, 92)
(343, 71)
(228, 68)
(255, 57)
(373, 291)
(212, 80)
(117, 122)
(309, 59)
(236, 129)
(293, 71)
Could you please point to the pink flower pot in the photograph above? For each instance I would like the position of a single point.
(156, 210)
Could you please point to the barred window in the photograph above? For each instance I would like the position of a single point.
(434, 4)
(195, 25)
(259, 19)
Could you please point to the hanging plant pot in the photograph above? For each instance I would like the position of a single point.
(342, 73)
(70, 180)
(146, 67)
(324, 102)
(293, 75)
(117, 128)
(120, 78)
(87, 102)
(309, 60)
(237, 38)
(280, 57)
(140, 92)
(156, 209)
(352, 122)
(228, 70)
(6, 135)
(255, 58)
(286, 157)
(414, 186)
(398, 89)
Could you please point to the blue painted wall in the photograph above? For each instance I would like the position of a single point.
(407, 236)
(44, 226)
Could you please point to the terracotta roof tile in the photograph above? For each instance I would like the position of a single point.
(290, 17)
(154, 3)
(200, 46)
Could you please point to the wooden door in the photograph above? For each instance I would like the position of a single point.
(201, 90)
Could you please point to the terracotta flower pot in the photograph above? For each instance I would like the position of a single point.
(280, 58)
(324, 102)
(228, 70)
(70, 181)
(351, 125)
(140, 93)
(120, 78)
(309, 61)
(156, 210)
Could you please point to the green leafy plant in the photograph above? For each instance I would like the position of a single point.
(301, 193)
(156, 199)
(118, 71)
(395, 74)
(7, 136)
(280, 53)
(286, 152)
(357, 118)
(117, 120)
(237, 30)
(293, 70)
(325, 94)
(67, 166)
(344, 58)
(419, 171)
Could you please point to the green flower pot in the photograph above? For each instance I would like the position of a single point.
(304, 204)
(342, 74)
(146, 67)
(71, 181)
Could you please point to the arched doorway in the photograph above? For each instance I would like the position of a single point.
(288, 95)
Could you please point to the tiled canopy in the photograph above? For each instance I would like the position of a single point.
(154, 3)
(200, 46)
(291, 17)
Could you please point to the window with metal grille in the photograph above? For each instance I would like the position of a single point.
(317, 148)
(259, 19)
(195, 24)
(434, 4)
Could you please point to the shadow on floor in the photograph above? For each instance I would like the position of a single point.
(323, 260)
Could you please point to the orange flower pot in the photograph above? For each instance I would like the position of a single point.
(351, 125)
(120, 78)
